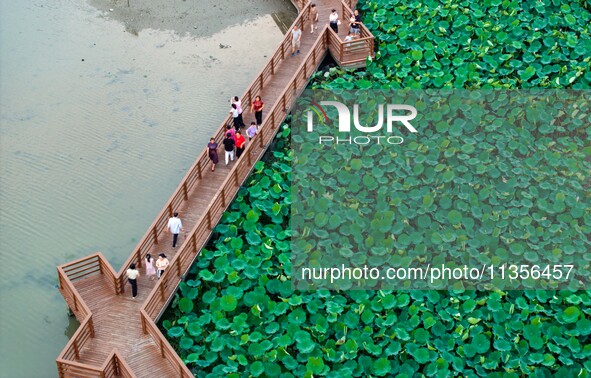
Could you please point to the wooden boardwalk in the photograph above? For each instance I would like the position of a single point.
(118, 336)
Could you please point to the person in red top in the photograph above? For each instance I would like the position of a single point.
(257, 107)
(240, 144)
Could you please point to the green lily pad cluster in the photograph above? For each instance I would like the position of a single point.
(236, 314)
(491, 177)
(478, 44)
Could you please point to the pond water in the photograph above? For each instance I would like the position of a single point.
(102, 112)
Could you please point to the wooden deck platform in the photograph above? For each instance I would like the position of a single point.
(118, 336)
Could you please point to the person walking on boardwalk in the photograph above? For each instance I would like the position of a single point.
(296, 37)
(334, 21)
(175, 226)
(229, 144)
(161, 264)
(313, 18)
(212, 152)
(132, 275)
(238, 102)
(235, 119)
(232, 131)
(257, 108)
(150, 270)
(252, 130)
(355, 23)
(240, 144)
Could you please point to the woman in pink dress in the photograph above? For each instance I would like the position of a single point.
(150, 270)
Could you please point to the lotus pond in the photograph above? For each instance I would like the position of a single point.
(236, 313)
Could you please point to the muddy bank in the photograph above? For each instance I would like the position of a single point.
(190, 17)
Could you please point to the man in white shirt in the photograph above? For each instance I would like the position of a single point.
(296, 37)
(174, 227)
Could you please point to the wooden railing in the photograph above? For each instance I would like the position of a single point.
(114, 367)
(165, 287)
(166, 350)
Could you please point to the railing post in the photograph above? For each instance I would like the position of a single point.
(143, 323)
(209, 219)
(223, 197)
(248, 157)
(236, 177)
(91, 323)
(155, 235)
(60, 370)
(261, 80)
(342, 47)
(272, 66)
(139, 257)
(314, 55)
(178, 268)
(98, 259)
(249, 97)
(282, 51)
(162, 348)
(261, 138)
(76, 351)
(198, 171)
(185, 192)
(162, 291)
(75, 303)
(170, 208)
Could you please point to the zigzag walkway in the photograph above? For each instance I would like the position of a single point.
(118, 336)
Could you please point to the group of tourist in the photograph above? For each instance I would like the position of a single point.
(157, 268)
(234, 142)
(333, 22)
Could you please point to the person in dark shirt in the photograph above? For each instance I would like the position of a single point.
(356, 23)
(229, 147)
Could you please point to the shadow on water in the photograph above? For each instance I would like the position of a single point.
(73, 324)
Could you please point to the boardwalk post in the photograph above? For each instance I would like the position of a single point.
(155, 235)
(76, 351)
(91, 324)
(185, 192)
(143, 324)
(162, 296)
(261, 137)
(261, 80)
(199, 170)
(236, 177)
(272, 66)
(223, 198)
(208, 220)
(282, 52)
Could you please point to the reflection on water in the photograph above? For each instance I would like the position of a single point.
(98, 126)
